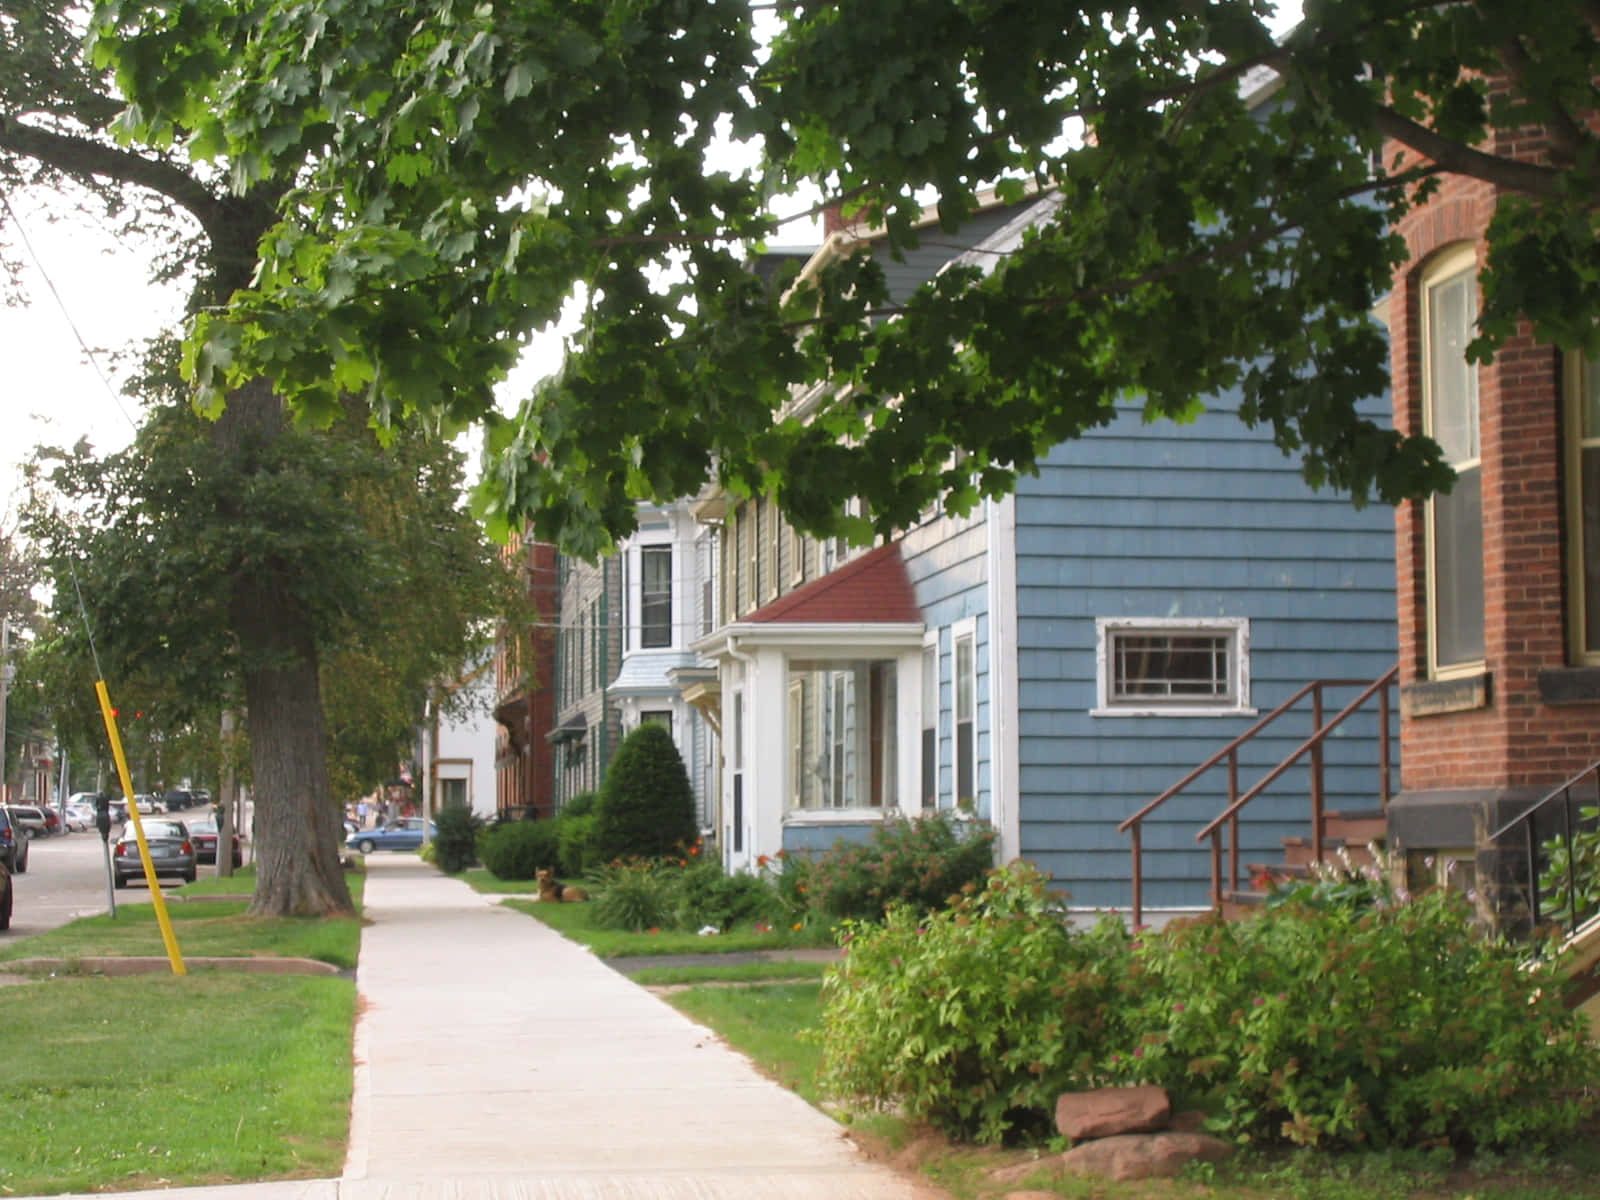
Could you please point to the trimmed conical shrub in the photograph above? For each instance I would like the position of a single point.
(646, 806)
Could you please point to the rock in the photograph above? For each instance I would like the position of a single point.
(1006, 1177)
(1143, 1155)
(1110, 1111)
(1189, 1121)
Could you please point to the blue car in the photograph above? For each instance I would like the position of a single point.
(404, 834)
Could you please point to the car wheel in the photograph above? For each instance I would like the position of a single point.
(119, 881)
(366, 846)
(21, 867)
(189, 875)
(5, 907)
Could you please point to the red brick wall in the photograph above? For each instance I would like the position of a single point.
(1517, 740)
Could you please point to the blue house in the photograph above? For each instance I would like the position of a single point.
(1057, 659)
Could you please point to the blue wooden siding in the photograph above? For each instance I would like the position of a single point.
(1206, 520)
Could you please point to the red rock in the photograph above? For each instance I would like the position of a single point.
(1143, 1155)
(1110, 1111)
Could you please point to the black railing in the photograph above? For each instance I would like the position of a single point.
(1554, 876)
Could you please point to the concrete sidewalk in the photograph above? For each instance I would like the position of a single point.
(495, 1059)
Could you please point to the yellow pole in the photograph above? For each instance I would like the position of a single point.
(174, 955)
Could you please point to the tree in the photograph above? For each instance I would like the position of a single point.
(398, 586)
(449, 174)
(646, 805)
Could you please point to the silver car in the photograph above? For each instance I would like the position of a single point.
(171, 852)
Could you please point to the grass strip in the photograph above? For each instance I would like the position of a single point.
(483, 880)
(243, 883)
(772, 1024)
(576, 921)
(111, 1098)
(756, 972)
(218, 928)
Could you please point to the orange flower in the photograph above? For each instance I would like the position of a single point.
(762, 860)
(694, 849)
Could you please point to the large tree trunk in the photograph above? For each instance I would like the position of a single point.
(297, 830)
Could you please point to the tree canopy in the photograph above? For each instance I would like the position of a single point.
(445, 175)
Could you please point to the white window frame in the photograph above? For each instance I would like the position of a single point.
(964, 631)
(1238, 631)
(1445, 269)
(671, 551)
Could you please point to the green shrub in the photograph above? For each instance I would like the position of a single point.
(707, 895)
(518, 849)
(1358, 1024)
(580, 805)
(920, 862)
(574, 835)
(635, 894)
(976, 1018)
(646, 807)
(455, 838)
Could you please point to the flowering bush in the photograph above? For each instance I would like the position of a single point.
(707, 895)
(975, 1018)
(1377, 1022)
(921, 863)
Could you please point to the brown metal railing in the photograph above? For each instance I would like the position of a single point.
(1229, 818)
(1561, 804)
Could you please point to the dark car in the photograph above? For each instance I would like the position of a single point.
(7, 898)
(171, 852)
(13, 845)
(178, 799)
(203, 831)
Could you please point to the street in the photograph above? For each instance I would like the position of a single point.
(65, 880)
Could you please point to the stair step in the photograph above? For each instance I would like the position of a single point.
(1357, 828)
(1297, 851)
(1280, 871)
(1239, 904)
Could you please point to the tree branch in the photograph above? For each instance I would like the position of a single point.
(1464, 160)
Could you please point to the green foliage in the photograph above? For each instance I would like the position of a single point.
(518, 849)
(635, 894)
(708, 896)
(580, 805)
(455, 838)
(1569, 886)
(646, 806)
(1339, 1025)
(920, 862)
(975, 1018)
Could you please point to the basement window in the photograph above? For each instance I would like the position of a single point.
(1172, 667)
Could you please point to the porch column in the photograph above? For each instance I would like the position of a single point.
(908, 730)
(767, 751)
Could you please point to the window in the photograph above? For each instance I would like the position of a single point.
(1173, 667)
(1454, 523)
(655, 597)
(797, 744)
(966, 704)
(452, 791)
(930, 724)
(1583, 506)
(662, 717)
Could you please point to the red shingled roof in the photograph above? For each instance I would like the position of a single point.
(873, 589)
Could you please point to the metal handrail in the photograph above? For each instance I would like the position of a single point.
(1526, 820)
(1133, 825)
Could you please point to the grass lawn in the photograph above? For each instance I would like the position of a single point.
(770, 1023)
(214, 928)
(755, 972)
(576, 921)
(243, 883)
(110, 1098)
(482, 880)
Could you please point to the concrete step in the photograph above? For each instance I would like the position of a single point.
(1356, 827)
(1297, 851)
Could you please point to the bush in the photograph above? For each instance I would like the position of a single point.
(1359, 1024)
(634, 894)
(455, 838)
(574, 835)
(580, 805)
(976, 1018)
(516, 850)
(646, 807)
(920, 862)
(707, 895)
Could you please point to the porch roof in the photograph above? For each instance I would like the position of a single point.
(874, 589)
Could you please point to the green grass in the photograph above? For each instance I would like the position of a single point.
(729, 972)
(486, 881)
(770, 1023)
(576, 921)
(112, 1098)
(214, 928)
(243, 883)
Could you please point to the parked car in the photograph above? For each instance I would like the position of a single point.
(14, 845)
(177, 799)
(7, 898)
(145, 803)
(35, 821)
(171, 852)
(402, 834)
(203, 831)
(79, 817)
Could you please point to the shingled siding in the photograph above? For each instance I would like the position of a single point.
(1203, 521)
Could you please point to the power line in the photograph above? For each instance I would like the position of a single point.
(94, 361)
